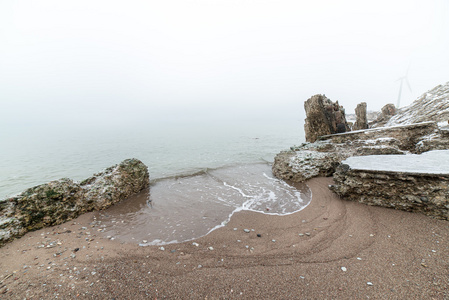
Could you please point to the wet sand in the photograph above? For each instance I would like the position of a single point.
(333, 249)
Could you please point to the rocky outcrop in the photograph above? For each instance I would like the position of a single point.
(434, 141)
(323, 117)
(419, 183)
(384, 116)
(408, 136)
(298, 166)
(361, 119)
(323, 156)
(431, 106)
(61, 200)
(422, 189)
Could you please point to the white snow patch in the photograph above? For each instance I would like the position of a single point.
(432, 162)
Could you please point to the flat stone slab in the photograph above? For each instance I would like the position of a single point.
(433, 162)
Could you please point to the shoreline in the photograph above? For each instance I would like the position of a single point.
(331, 249)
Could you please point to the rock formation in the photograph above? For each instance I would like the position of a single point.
(323, 117)
(384, 116)
(61, 200)
(418, 191)
(431, 106)
(323, 156)
(361, 119)
(395, 184)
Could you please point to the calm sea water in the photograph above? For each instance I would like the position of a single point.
(32, 155)
(201, 173)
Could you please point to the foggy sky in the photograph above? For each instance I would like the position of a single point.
(89, 61)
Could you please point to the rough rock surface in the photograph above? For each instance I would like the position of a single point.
(361, 118)
(423, 192)
(430, 106)
(305, 164)
(435, 141)
(323, 156)
(323, 117)
(61, 200)
(408, 136)
(388, 111)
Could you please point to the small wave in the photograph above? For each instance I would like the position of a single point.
(204, 171)
(201, 202)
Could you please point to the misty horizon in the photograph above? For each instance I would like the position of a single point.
(110, 61)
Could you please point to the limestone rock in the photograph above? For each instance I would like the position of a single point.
(323, 156)
(384, 116)
(323, 117)
(425, 192)
(431, 106)
(406, 135)
(302, 165)
(361, 119)
(61, 200)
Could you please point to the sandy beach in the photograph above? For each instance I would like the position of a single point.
(333, 249)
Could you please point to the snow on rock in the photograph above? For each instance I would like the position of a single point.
(416, 183)
(431, 106)
(432, 162)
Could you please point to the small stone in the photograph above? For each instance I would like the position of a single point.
(301, 234)
(308, 233)
(259, 235)
(371, 235)
(434, 251)
(162, 248)
(195, 244)
(235, 229)
(302, 277)
(369, 283)
(344, 269)
(200, 266)
(273, 241)
(210, 248)
(358, 258)
(246, 230)
(144, 241)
